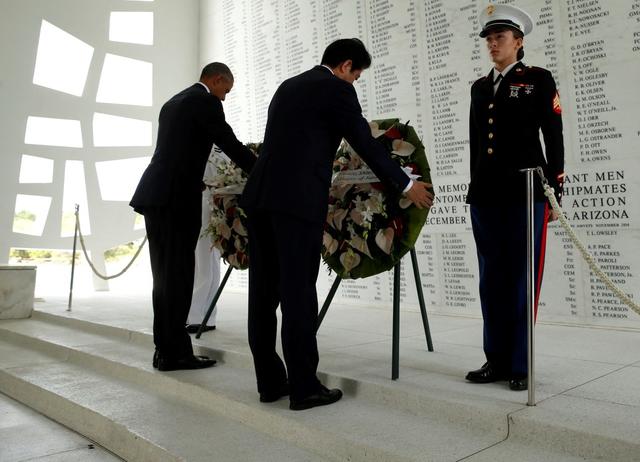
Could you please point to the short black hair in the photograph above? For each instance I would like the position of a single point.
(344, 49)
(212, 69)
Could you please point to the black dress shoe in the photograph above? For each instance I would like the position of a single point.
(156, 355)
(188, 362)
(193, 328)
(486, 374)
(323, 397)
(519, 384)
(272, 396)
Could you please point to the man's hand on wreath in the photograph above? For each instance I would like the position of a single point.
(420, 195)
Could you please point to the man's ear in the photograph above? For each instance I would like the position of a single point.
(346, 66)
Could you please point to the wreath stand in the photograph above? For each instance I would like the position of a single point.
(214, 301)
(395, 348)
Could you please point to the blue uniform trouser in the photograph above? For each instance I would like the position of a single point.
(500, 232)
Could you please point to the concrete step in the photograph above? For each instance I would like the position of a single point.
(356, 429)
(26, 435)
(135, 422)
(98, 380)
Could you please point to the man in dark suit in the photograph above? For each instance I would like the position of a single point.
(509, 109)
(286, 199)
(169, 197)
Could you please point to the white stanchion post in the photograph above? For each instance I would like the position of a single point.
(531, 382)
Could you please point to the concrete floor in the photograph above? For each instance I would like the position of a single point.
(587, 382)
(26, 435)
(591, 363)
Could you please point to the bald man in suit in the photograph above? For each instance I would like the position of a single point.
(169, 196)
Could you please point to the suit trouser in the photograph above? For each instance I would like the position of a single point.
(500, 233)
(284, 261)
(173, 233)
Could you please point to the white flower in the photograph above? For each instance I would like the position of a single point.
(349, 260)
(351, 230)
(330, 244)
(402, 148)
(384, 239)
(360, 244)
(404, 203)
(359, 203)
(367, 215)
(375, 130)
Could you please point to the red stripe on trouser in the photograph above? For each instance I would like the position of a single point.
(543, 246)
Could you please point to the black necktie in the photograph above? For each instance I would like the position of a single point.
(496, 83)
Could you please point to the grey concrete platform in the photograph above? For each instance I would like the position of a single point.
(26, 435)
(588, 388)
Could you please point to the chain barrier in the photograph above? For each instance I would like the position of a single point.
(548, 191)
(93, 268)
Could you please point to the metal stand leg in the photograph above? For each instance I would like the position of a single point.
(73, 259)
(214, 301)
(395, 348)
(423, 309)
(327, 302)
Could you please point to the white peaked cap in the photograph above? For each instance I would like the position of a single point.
(494, 16)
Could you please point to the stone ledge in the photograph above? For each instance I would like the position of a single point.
(17, 286)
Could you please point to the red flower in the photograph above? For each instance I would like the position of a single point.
(379, 186)
(242, 258)
(414, 167)
(398, 225)
(231, 211)
(393, 133)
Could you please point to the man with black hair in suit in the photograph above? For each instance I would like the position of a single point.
(169, 196)
(286, 200)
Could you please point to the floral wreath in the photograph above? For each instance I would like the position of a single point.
(227, 221)
(370, 227)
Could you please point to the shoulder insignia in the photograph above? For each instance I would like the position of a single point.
(556, 104)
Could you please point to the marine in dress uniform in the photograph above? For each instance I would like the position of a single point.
(509, 108)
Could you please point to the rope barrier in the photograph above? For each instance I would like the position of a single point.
(93, 268)
(548, 191)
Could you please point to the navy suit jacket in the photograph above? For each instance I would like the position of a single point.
(308, 116)
(189, 124)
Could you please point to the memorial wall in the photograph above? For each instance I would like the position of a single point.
(426, 54)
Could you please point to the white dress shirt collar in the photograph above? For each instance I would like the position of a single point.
(504, 72)
(327, 67)
(205, 87)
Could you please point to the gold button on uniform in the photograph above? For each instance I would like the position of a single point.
(490, 105)
(489, 151)
(490, 121)
(490, 136)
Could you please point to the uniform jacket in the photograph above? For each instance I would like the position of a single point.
(504, 135)
(189, 124)
(308, 116)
